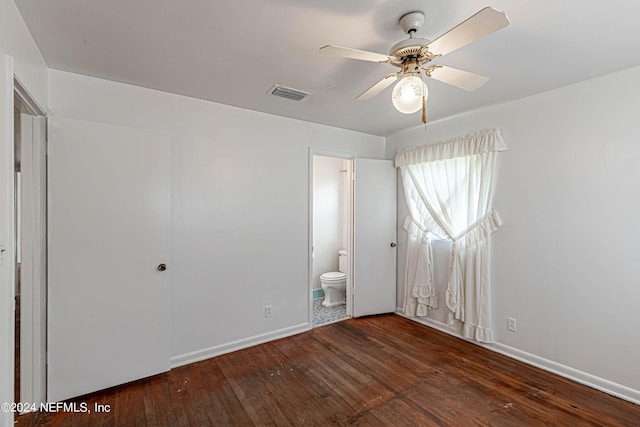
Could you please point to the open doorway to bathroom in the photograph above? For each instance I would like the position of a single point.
(331, 237)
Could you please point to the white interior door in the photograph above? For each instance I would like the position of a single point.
(109, 213)
(374, 270)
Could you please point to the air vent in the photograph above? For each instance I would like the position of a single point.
(288, 92)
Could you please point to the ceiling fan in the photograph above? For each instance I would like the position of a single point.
(413, 55)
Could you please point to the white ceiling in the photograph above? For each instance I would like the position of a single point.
(232, 52)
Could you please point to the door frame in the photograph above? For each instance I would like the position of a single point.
(324, 152)
(9, 85)
(7, 238)
(33, 284)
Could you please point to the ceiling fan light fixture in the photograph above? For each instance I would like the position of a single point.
(407, 94)
(413, 55)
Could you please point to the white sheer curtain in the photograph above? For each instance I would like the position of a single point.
(449, 190)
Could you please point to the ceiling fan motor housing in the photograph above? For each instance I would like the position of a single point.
(412, 48)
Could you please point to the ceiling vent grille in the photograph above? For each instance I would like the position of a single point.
(288, 92)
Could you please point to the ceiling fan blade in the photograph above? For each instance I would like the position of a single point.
(378, 87)
(456, 77)
(346, 52)
(483, 23)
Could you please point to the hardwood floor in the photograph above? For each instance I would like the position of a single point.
(377, 371)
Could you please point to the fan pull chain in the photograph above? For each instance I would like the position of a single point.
(424, 110)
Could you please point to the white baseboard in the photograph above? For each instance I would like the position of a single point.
(217, 350)
(598, 383)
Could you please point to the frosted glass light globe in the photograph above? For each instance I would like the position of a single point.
(407, 95)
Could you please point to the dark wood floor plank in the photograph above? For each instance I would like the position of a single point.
(374, 371)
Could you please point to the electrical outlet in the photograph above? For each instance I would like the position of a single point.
(512, 324)
(267, 311)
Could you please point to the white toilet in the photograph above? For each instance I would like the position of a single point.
(334, 283)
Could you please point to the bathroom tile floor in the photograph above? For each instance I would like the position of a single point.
(323, 315)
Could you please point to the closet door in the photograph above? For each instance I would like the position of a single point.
(109, 213)
(374, 270)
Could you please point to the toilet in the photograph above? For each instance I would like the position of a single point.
(334, 283)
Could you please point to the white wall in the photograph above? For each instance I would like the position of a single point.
(566, 262)
(327, 215)
(240, 207)
(29, 66)
(19, 57)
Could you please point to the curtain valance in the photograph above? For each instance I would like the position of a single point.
(483, 141)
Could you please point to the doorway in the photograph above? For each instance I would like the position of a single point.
(30, 171)
(331, 238)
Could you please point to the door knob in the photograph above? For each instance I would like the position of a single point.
(393, 245)
(162, 267)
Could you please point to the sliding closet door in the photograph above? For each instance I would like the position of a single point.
(109, 213)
